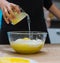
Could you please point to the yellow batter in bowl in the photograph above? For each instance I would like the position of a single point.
(27, 45)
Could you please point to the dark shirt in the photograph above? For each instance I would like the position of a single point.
(35, 10)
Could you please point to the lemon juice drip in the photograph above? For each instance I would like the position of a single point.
(28, 21)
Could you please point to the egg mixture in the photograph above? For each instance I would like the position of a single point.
(27, 45)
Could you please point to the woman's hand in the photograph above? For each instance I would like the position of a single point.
(8, 9)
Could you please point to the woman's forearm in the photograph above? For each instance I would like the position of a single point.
(54, 10)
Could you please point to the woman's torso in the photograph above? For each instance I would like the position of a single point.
(35, 9)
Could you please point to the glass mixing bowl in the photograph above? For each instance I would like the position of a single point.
(27, 42)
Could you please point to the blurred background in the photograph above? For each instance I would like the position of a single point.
(52, 23)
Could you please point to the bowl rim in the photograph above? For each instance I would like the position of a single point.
(27, 32)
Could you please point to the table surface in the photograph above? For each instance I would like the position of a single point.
(49, 54)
